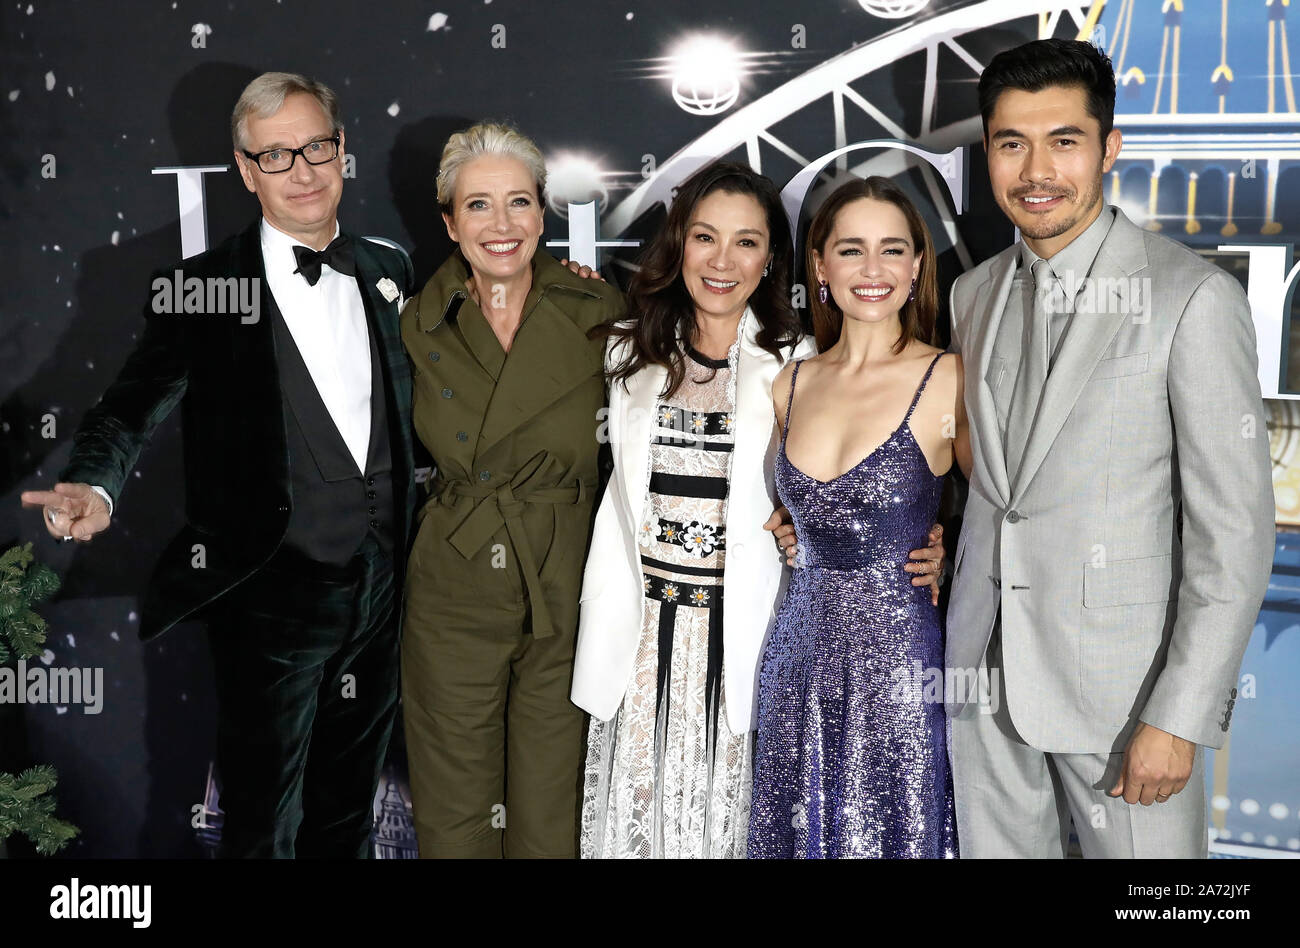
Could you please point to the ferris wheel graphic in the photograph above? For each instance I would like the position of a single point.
(1205, 95)
(951, 46)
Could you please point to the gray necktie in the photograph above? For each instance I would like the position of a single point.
(1033, 368)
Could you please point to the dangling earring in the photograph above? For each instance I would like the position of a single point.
(821, 293)
(765, 269)
(912, 295)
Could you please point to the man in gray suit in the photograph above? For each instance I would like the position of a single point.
(1119, 532)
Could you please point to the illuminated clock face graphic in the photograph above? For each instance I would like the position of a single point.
(1284, 449)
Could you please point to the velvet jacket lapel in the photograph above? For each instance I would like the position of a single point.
(254, 364)
(383, 316)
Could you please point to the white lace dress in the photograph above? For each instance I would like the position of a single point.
(665, 777)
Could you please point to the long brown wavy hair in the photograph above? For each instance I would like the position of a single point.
(660, 309)
(919, 314)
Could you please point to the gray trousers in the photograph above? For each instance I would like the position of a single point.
(1013, 800)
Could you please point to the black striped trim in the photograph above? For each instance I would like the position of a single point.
(693, 422)
(685, 441)
(688, 485)
(675, 568)
(700, 358)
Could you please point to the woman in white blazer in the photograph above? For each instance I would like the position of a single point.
(666, 672)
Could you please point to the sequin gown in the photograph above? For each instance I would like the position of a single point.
(665, 777)
(851, 759)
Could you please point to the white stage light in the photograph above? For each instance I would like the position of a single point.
(574, 178)
(706, 73)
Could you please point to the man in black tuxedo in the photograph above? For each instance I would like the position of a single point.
(299, 481)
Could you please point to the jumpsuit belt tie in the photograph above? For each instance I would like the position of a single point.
(504, 506)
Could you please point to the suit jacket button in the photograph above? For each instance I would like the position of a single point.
(372, 511)
(1234, 693)
(461, 436)
(283, 508)
(370, 495)
(1223, 725)
(374, 524)
(446, 393)
(434, 357)
(370, 480)
(485, 475)
(1013, 517)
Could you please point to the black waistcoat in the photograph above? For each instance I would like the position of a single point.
(334, 504)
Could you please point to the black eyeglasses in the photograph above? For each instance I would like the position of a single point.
(279, 160)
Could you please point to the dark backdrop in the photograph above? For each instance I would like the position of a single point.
(112, 91)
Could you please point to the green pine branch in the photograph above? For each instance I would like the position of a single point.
(26, 801)
(27, 807)
(23, 583)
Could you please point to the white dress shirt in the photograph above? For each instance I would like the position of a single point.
(328, 325)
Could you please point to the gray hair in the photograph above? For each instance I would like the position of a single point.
(265, 95)
(487, 138)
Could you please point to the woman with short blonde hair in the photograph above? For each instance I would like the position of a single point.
(508, 390)
(487, 138)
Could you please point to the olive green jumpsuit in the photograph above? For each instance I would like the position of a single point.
(494, 743)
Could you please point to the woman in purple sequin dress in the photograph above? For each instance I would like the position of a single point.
(851, 757)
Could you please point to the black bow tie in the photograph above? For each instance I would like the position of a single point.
(338, 255)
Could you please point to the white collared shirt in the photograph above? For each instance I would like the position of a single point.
(328, 325)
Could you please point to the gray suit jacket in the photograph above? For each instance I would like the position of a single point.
(1113, 612)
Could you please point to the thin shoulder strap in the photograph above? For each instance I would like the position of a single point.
(789, 399)
(921, 388)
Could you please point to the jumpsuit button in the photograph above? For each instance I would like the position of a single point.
(434, 357)
(446, 393)
(461, 436)
(485, 475)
